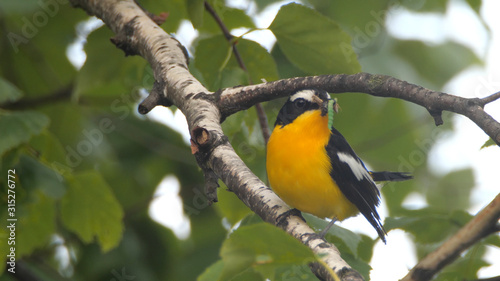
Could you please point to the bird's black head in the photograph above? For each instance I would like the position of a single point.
(300, 102)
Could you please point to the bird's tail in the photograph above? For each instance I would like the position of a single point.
(390, 176)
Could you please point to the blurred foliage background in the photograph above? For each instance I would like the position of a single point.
(87, 165)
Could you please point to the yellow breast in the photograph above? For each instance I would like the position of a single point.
(299, 168)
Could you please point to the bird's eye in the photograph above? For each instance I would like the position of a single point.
(299, 103)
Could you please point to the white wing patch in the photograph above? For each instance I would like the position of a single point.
(357, 168)
(305, 94)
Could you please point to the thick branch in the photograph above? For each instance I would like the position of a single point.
(136, 33)
(235, 99)
(483, 224)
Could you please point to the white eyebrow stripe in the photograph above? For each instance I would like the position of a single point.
(357, 168)
(305, 94)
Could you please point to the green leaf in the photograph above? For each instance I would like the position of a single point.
(211, 56)
(259, 63)
(286, 68)
(212, 272)
(466, 267)
(35, 175)
(36, 224)
(231, 17)
(249, 275)
(229, 77)
(34, 57)
(365, 248)
(67, 122)
(318, 47)
(134, 150)
(230, 206)
(105, 83)
(8, 92)
(215, 61)
(262, 4)
(451, 192)
(294, 272)
(361, 266)
(18, 127)
(429, 225)
(90, 209)
(175, 9)
(435, 6)
(215, 270)
(475, 5)
(246, 138)
(252, 218)
(28, 6)
(492, 240)
(336, 233)
(438, 63)
(262, 247)
(460, 217)
(195, 11)
(393, 223)
(48, 148)
(354, 259)
(489, 142)
(366, 24)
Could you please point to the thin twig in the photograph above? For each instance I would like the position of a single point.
(61, 94)
(490, 98)
(221, 24)
(266, 132)
(391, 135)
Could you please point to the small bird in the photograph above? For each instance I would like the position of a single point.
(313, 168)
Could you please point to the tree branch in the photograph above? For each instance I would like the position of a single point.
(61, 94)
(482, 225)
(136, 33)
(490, 98)
(235, 99)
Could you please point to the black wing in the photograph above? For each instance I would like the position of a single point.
(355, 182)
(390, 176)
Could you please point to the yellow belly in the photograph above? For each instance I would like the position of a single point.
(299, 168)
